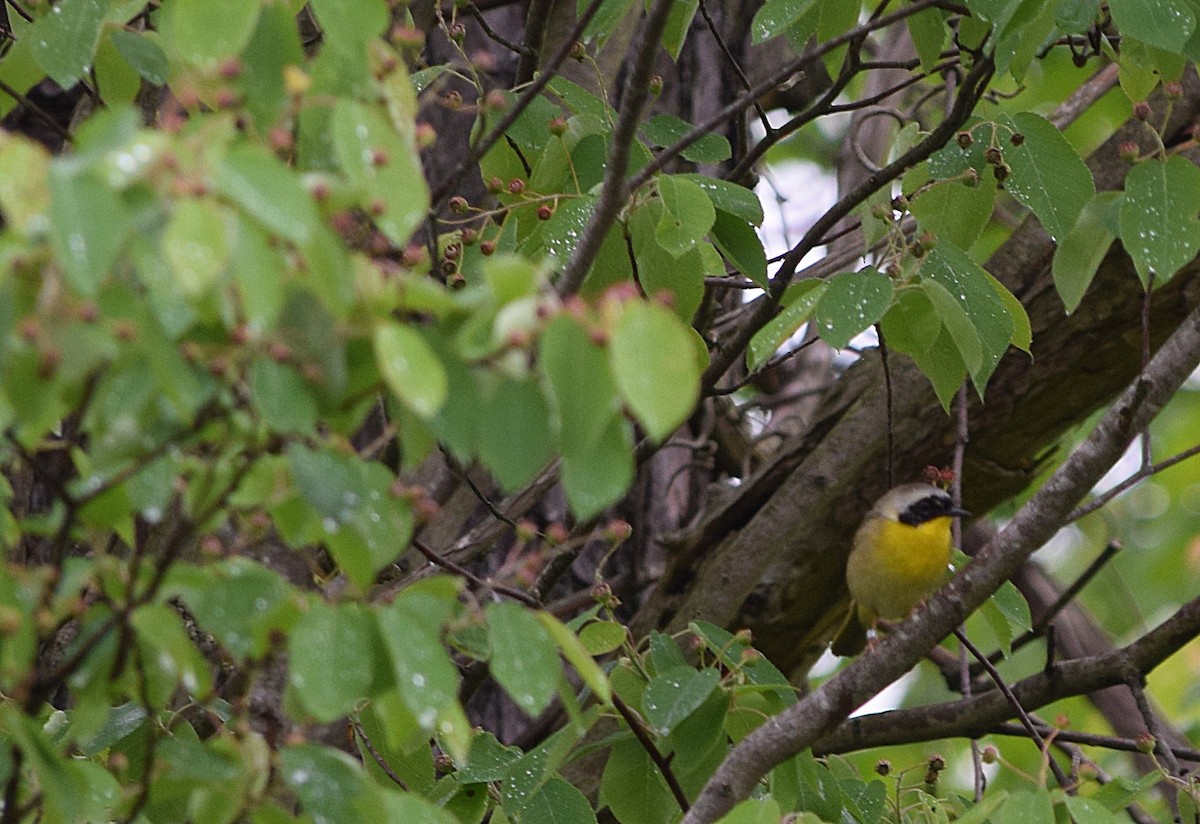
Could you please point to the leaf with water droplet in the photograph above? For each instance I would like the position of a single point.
(1047, 174)
(1159, 226)
(673, 695)
(524, 659)
(410, 368)
(851, 303)
(334, 654)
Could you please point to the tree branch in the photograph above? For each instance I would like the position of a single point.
(798, 727)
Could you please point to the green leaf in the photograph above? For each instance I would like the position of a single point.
(88, 226)
(24, 196)
(658, 270)
(741, 245)
(201, 32)
(679, 20)
(942, 364)
(665, 130)
(928, 31)
(268, 192)
(1026, 807)
(364, 526)
(851, 303)
(754, 811)
(601, 637)
(1164, 24)
(283, 397)
(332, 659)
(64, 40)
(604, 21)
(411, 808)
(971, 287)
(348, 24)
(524, 658)
(673, 695)
(1022, 334)
(170, 654)
(911, 325)
(729, 197)
(142, 53)
(1093, 812)
(410, 368)
(195, 245)
(954, 211)
(687, 216)
(557, 802)
(578, 657)
(240, 602)
(1047, 175)
(957, 322)
(330, 784)
(384, 165)
(1083, 249)
(633, 787)
(799, 304)
(274, 46)
(515, 441)
(582, 389)
(1159, 227)
(653, 360)
(774, 18)
(425, 677)
(597, 473)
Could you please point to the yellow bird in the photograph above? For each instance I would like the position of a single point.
(900, 556)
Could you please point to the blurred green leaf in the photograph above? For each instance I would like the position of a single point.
(268, 192)
(201, 32)
(332, 653)
(330, 785)
(240, 602)
(64, 39)
(775, 17)
(89, 224)
(524, 659)
(143, 53)
(633, 788)
(653, 360)
(411, 370)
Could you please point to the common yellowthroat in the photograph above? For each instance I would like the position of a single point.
(900, 555)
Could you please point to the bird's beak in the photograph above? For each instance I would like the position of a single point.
(958, 511)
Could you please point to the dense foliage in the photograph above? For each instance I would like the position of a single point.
(337, 353)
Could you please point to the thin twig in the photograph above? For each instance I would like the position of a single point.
(733, 63)
(1109, 742)
(643, 736)
(782, 359)
(461, 571)
(1026, 722)
(376, 756)
(1135, 681)
(615, 188)
(549, 72)
(38, 112)
(1132, 480)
